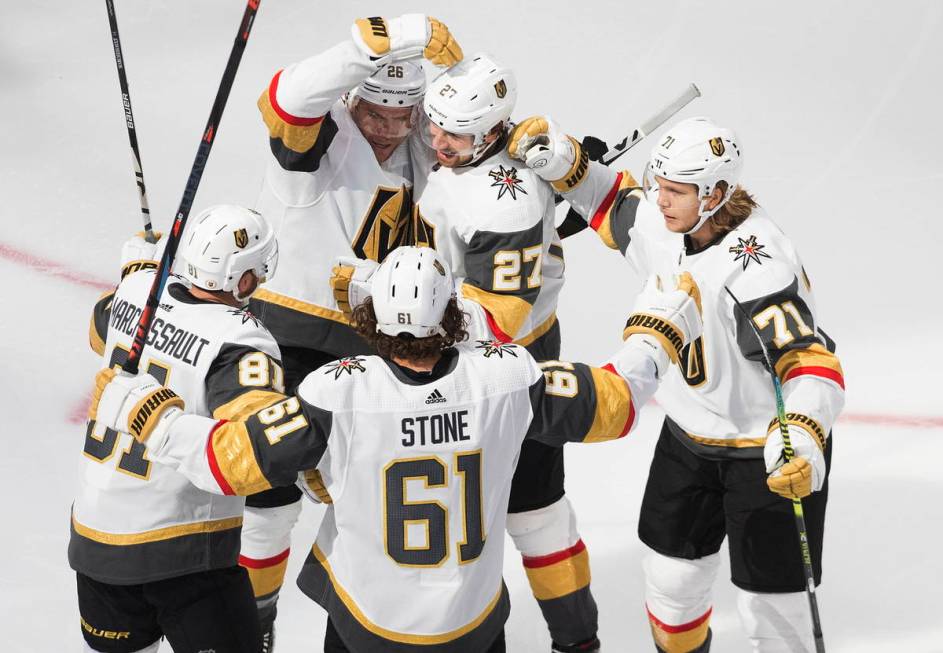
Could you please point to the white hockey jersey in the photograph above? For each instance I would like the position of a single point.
(326, 195)
(419, 467)
(494, 223)
(134, 521)
(720, 400)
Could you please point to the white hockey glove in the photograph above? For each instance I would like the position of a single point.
(666, 320)
(350, 281)
(406, 37)
(802, 475)
(138, 405)
(138, 254)
(551, 154)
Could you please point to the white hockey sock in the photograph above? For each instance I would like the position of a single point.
(776, 623)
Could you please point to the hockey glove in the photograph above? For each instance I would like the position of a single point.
(666, 320)
(553, 156)
(805, 472)
(406, 37)
(138, 254)
(350, 281)
(138, 405)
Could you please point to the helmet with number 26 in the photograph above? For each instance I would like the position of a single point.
(697, 151)
(224, 242)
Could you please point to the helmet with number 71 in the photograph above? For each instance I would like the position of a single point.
(410, 291)
(697, 151)
(224, 242)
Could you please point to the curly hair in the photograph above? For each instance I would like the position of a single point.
(364, 321)
(737, 209)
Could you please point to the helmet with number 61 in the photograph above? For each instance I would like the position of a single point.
(224, 242)
(410, 291)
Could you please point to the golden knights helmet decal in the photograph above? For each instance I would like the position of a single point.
(242, 238)
(501, 88)
(717, 146)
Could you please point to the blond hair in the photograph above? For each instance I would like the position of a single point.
(737, 209)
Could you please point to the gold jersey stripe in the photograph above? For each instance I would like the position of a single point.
(560, 578)
(94, 340)
(602, 223)
(738, 443)
(158, 534)
(392, 635)
(297, 305)
(269, 579)
(545, 326)
(246, 404)
(235, 458)
(508, 311)
(613, 406)
(815, 355)
(299, 137)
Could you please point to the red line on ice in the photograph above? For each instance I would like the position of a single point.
(52, 268)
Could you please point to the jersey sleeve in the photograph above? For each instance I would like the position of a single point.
(98, 325)
(803, 357)
(503, 268)
(578, 403)
(263, 450)
(242, 379)
(296, 106)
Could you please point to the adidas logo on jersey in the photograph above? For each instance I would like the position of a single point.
(435, 398)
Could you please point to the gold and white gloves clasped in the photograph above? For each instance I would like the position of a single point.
(406, 37)
(805, 472)
(350, 282)
(138, 405)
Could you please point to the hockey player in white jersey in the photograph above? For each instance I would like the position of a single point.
(493, 221)
(155, 556)
(340, 181)
(415, 448)
(720, 452)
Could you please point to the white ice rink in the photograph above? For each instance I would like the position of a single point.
(838, 106)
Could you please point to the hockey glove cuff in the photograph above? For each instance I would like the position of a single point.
(138, 405)
(804, 473)
(551, 154)
(671, 318)
(138, 254)
(350, 282)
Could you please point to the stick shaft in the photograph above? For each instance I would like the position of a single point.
(193, 183)
(129, 121)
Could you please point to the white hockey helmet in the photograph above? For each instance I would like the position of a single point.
(411, 290)
(224, 242)
(470, 98)
(697, 151)
(398, 84)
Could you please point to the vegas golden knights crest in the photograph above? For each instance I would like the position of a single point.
(717, 146)
(501, 88)
(242, 238)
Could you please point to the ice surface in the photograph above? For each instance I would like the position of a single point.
(837, 105)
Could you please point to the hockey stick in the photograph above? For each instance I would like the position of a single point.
(574, 223)
(129, 120)
(189, 192)
(789, 453)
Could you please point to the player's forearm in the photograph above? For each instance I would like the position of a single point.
(309, 88)
(813, 403)
(184, 448)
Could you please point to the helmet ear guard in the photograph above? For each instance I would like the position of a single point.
(697, 151)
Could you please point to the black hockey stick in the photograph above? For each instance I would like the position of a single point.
(129, 120)
(189, 192)
(574, 223)
(788, 454)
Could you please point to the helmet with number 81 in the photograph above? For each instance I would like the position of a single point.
(223, 243)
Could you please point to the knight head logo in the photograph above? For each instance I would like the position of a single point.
(717, 146)
(501, 88)
(242, 238)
